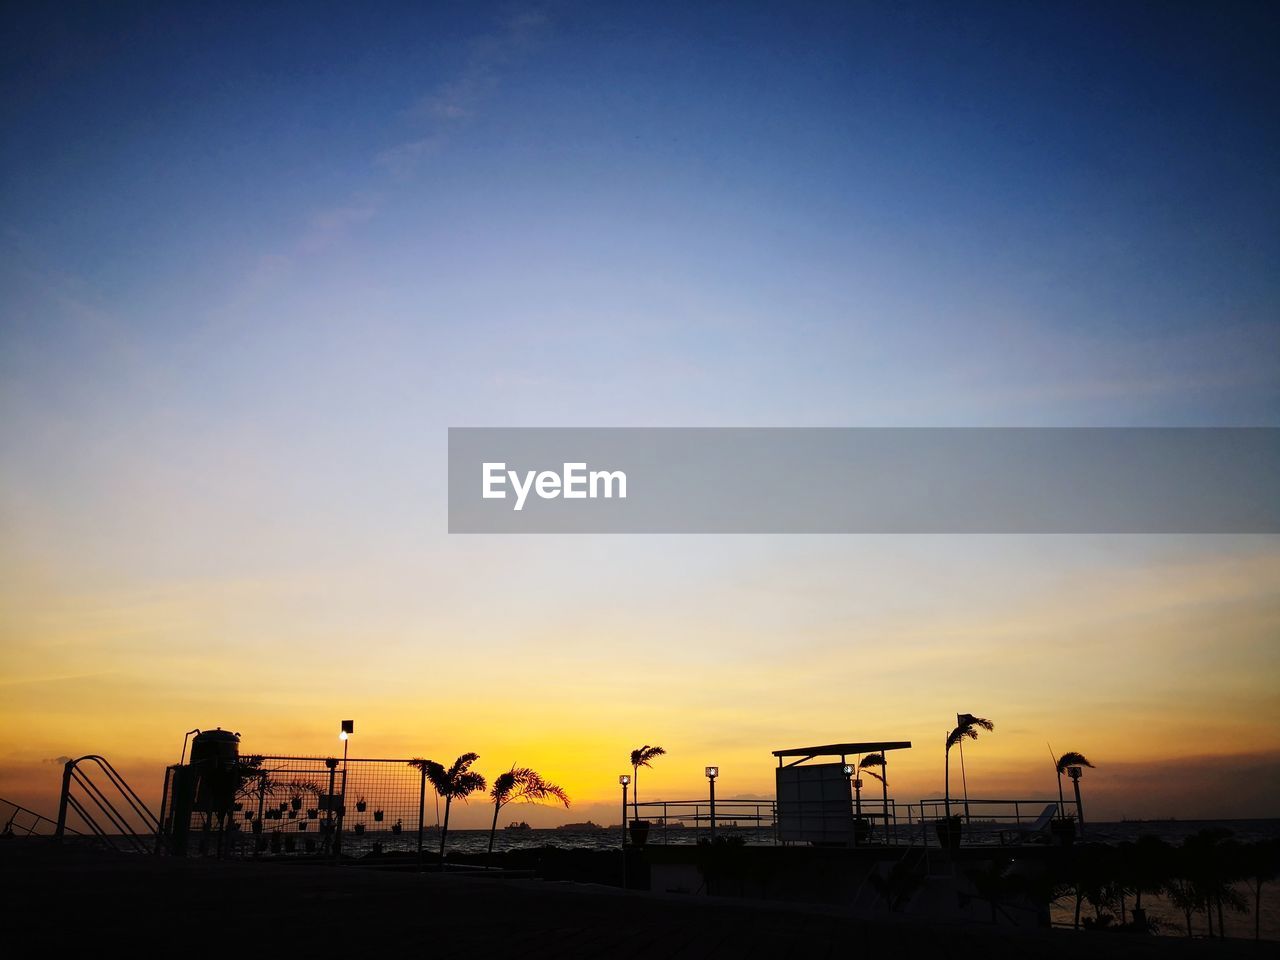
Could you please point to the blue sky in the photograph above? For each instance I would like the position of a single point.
(255, 260)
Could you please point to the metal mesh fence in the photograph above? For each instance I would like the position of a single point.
(303, 806)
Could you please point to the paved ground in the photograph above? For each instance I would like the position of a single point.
(191, 908)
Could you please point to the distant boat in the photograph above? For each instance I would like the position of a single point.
(589, 825)
(513, 825)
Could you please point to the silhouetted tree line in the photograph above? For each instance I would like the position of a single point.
(1201, 878)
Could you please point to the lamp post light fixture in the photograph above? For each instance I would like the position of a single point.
(625, 780)
(712, 773)
(348, 728)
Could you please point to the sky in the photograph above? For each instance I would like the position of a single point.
(255, 260)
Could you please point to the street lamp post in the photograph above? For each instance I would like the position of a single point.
(712, 773)
(348, 728)
(625, 781)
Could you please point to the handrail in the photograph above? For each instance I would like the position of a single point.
(37, 818)
(119, 824)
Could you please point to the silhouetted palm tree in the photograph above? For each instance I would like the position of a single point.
(1261, 864)
(640, 758)
(876, 760)
(966, 729)
(521, 783)
(1069, 759)
(457, 781)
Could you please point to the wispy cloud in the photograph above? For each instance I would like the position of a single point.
(462, 97)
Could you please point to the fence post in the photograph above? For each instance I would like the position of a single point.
(422, 806)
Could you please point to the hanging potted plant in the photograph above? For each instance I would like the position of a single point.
(361, 805)
(312, 813)
(248, 814)
(302, 824)
(296, 801)
(396, 827)
(377, 815)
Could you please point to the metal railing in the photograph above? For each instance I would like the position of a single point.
(118, 830)
(686, 821)
(985, 822)
(870, 823)
(21, 823)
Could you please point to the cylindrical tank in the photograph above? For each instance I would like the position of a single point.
(216, 748)
(215, 755)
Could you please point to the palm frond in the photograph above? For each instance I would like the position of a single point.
(1072, 759)
(642, 756)
(873, 760)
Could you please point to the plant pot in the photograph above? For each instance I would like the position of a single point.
(861, 830)
(377, 815)
(237, 806)
(359, 828)
(296, 803)
(361, 806)
(312, 814)
(1063, 831)
(639, 832)
(302, 824)
(248, 814)
(949, 832)
(395, 828)
(293, 814)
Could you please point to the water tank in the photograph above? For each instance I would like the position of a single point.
(215, 748)
(215, 755)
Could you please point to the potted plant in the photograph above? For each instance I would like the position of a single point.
(377, 815)
(396, 827)
(248, 814)
(640, 757)
(302, 824)
(966, 729)
(361, 805)
(949, 831)
(359, 828)
(296, 802)
(1063, 830)
(312, 813)
(293, 814)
